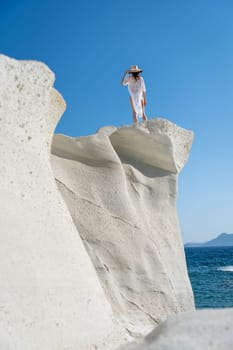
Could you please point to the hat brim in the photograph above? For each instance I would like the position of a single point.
(135, 71)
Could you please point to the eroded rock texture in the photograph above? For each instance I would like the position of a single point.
(50, 295)
(120, 186)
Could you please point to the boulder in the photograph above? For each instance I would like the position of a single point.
(198, 330)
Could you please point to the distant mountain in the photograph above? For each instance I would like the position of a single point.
(223, 240)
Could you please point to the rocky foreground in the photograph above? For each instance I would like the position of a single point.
(91, 252)
(199, 330)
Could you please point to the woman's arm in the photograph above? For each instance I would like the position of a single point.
(144, 98)
(123, 78)
(143, 91)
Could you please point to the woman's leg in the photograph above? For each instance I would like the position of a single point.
(144, 117)
(135, 119)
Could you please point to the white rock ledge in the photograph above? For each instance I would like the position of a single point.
(156, 142)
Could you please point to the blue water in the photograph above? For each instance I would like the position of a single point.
(211, 275)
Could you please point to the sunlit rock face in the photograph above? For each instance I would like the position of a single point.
(50, 295)
(120, 186)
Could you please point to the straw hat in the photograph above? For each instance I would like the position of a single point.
(134, 69)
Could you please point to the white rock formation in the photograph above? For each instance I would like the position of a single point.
(120, 186)
(50, 295)
(198, 330)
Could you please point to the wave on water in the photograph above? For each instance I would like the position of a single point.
(211, 274)
(226, 268)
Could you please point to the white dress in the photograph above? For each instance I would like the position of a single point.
(136, 89)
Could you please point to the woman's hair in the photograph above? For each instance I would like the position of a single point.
(136, 75)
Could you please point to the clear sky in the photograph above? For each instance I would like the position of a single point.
(186, 50)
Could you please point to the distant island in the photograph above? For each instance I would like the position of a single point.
(223, 240)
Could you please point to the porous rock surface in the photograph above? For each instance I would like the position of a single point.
(120, 186)
(50, 294)
(197, 330)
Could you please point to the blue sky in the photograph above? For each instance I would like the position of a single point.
(186, 50)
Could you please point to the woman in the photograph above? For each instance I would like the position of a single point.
(137, 92)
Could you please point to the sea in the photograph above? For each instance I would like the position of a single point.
(210, 271)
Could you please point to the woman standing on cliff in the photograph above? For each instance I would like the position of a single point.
(137, 92)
